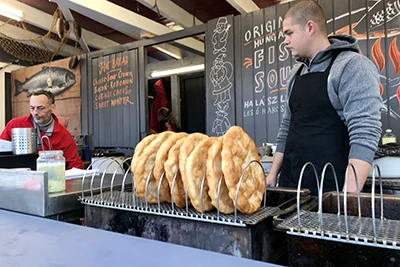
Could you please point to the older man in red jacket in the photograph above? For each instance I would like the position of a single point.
(42, 106)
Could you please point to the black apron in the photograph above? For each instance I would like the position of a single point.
(316, 134)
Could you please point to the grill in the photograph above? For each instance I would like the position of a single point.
(360, 228)
(249, 236)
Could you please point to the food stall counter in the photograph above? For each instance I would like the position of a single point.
(27, 192)
(33, 241)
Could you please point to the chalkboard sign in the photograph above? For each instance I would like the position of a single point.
(220, 79)
(264, 64)
(114, 95)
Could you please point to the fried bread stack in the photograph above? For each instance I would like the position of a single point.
(188, 162)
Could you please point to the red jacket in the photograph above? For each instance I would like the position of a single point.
(169, 126)
(160, 101)
(61, 139)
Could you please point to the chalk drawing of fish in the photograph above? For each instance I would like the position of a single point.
(377, 16)
(62, 79)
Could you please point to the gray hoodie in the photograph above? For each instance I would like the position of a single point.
(353, 89)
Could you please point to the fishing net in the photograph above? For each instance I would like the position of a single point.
(17, 40)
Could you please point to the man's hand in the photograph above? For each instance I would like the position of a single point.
(362, 169)
(271, 180)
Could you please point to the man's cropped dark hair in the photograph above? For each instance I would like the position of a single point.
(306, 10)
(49, 95)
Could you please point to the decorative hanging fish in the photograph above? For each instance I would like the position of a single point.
(61, 78)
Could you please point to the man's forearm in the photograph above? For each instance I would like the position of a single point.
(276, 163)
(362, 168)
(275, 168)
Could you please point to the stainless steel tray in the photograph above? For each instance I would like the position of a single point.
(27, 192)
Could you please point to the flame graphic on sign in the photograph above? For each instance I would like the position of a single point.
(398, 95)
(377, 55)
(394, 56)
(247, 62)
(381, 89)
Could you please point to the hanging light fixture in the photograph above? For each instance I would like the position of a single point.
(163, 73)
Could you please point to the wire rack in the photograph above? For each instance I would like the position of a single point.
(368, 231)
(360, 230)
(128, 201)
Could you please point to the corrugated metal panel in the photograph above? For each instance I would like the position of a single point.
(238, 71)
(83, 61)
(113, 88)
(260, 79)
(220, 78)
(264, 68)
(244, 60)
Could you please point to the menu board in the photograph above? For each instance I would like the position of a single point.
(113, 88)
(114, 94)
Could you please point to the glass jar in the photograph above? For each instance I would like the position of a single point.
(388, 137)
(53, 163)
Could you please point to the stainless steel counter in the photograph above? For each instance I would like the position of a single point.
(32, 241)
(27, 192)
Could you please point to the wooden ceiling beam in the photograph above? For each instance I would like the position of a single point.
(44, 21)
(123, 20)
(172, 12)
(71, 20)
(244, 6)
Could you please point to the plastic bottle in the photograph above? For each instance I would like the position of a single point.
(388, 137)
(53, 162)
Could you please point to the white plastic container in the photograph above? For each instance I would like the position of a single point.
(389, 166)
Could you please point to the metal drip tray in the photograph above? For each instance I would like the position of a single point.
(165, 209)
(360, 229)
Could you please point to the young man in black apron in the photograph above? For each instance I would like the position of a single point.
(332, 114)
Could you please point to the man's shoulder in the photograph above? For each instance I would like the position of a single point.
(349, 63)
(61, 137)
(59, 127)
(349, 55)
(353, 61)
(20, 121)
(62, 130)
